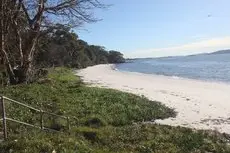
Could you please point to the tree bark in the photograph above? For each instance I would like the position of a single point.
(25, 71)
(4, 54)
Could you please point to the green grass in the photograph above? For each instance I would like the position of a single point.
(102, 120)
(68, 96)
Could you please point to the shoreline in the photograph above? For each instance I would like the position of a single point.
(199, 104)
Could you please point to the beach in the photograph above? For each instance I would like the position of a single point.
(199, 104)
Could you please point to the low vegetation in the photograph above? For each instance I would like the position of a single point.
(102, 121)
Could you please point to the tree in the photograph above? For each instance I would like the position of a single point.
(57, 47)
(115, 57)
(100, 53)
(62, 47)
(22, 22)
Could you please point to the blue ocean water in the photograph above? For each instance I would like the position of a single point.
(208, 67)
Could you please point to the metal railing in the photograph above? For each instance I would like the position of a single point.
(40, 111)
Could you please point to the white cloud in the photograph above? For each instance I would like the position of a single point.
(203, 46)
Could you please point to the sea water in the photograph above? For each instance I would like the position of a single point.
(208, 67)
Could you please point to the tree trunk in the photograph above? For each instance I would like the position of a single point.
(3, 52)
(7, 64)
(23, 74)
(25, 71)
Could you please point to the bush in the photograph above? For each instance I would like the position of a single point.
(95, 122)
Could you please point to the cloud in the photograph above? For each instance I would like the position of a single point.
(202, 46)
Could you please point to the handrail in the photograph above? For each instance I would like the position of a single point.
(14, 101)
(4, 118)
(38, 110)
(13, 120)
(54, 114)
(31, 125)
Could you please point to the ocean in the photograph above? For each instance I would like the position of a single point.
(207, 67)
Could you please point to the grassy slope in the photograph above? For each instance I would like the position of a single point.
(102, 121)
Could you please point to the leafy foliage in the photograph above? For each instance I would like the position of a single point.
(61, 47)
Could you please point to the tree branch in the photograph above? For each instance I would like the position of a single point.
(27, 14)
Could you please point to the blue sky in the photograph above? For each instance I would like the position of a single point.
(153, 28)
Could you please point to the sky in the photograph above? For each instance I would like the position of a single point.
(156, 28)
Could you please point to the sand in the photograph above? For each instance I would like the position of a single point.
(199, 104)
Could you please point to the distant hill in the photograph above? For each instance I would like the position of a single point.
(227, 51)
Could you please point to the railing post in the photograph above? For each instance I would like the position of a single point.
(41, 119)
(3, 117)
(68, 123)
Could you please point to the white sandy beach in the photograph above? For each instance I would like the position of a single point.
(200, 105)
